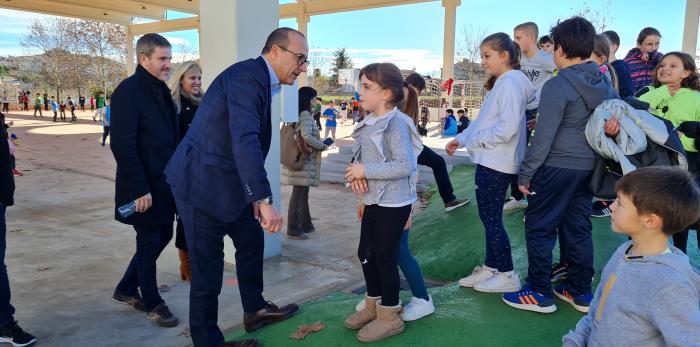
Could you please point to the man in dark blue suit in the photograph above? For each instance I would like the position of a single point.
(144, 136)
(220, 185)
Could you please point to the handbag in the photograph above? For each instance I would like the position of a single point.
(294, 151)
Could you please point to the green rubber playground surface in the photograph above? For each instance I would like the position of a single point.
(448, 247)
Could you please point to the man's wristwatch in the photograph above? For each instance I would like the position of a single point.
(266, 201)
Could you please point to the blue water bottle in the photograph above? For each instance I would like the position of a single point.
(127, 210)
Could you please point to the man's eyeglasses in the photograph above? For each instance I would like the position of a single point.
(301, 59)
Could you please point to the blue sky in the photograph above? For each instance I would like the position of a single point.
(412, 35)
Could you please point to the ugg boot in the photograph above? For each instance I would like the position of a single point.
(388, 323)
(359, 319)
(185, 271)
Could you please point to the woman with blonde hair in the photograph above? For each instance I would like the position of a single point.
(187, 92)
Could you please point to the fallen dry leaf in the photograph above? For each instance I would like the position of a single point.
(307, 329)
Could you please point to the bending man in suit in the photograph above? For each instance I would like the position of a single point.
(144, 136)
(219, 181)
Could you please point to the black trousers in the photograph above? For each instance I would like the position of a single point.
(205, 241)
(298, 215)
(141, 272)
(105, 133)
(433, 160)
(515, 192)
(379, 238)
(680, 240)
(561, 206)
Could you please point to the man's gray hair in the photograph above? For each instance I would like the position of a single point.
(148, 43)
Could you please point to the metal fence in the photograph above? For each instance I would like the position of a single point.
(467, 95)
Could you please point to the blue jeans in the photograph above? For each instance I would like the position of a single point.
(141, 273)
(6, 310)
(410, 268)
(491, 186)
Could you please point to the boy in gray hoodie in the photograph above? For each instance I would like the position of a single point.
(556, 172)
(648, 293)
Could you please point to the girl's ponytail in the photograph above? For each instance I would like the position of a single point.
(501, 42)
(409, 104)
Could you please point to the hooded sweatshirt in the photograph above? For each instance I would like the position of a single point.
(497, 138)
(566, 103)
(642, 301)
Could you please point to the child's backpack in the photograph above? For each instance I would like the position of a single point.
(294, 151)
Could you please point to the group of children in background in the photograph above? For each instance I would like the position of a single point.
(649, 293)
(456, 125)
(652, 204)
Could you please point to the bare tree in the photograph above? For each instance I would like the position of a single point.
(469, 48)
(76, 47)
(318, 61)
(104, 41)
(49, 38)
(184, 52)
(601, 17)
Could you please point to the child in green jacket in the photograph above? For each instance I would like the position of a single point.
(674, 95)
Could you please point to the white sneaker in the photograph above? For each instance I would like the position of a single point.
(501, 282)
(480, 273)
(418, 308)
(513, 205)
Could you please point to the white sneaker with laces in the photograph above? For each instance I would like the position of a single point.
(480, 273)
(418, 308)
(501, 282)
(513, 205)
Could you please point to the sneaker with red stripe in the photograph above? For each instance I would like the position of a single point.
(581, 302)
(530, 300)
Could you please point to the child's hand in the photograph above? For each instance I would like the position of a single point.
(645, 56)
(525, 189)
(360, 211)
(359, 186)
(355, 171)
(409, 223)
(612, 127)
(451, 147)
(673, 88)
(531, 124)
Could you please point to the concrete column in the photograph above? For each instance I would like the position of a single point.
(231, 31)
(130, 55)
(448, 52)
(302, 25)
(690, 26)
